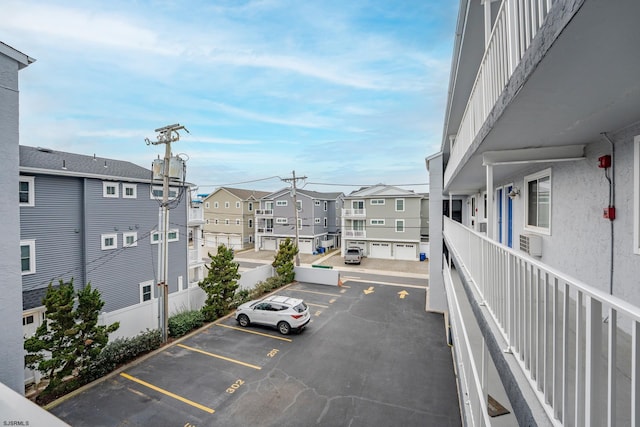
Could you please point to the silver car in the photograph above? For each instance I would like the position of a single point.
(284, 313)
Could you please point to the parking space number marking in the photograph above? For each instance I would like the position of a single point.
(273, 352)
(236, 385)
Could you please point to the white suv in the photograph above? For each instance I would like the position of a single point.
(280, 312)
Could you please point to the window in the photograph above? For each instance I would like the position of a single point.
(250, 223)
(237, 222)
(317, 203)
(206, 205)
(110, 189)
(130, 239)
(237, 205)
(377, 202)
(538, 201)
(281, 203)
(399, 205)
(473, 207)
(377, 222)
(282, 221)
(157, 192)
(299, 223)
(325, 222)
(146, 291)
(129, 191)
(636, 195)
(226, 221)
(326, 205)
(28, 256)
(215, 221)
(299, 204)
(172, 236)
(27, 320)
(216, 205)
(399, 225)
(226, 205)
(250, 206)
(317, 220)
(484, 214)
(109, 241)
(26, 191)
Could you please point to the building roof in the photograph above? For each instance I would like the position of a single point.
(16, 55)
(382, 190)
(245, 194)
(308, 193)
(44, 160)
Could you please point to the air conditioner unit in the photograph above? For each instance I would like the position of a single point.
(531, 244)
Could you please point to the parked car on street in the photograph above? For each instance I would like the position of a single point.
(352, 256)
(281, 312)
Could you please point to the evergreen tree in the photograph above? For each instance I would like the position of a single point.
(69, 339)
(220, 284)
(283, 262)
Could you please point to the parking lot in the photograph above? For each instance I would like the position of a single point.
(371, 356)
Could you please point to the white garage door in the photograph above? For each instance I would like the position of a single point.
(306, 246)
(406, 251)
(235, 242)
(269, 244)
(380, 250)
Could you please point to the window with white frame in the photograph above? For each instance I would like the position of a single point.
(281, 203)
(129, 191)
(538, 202)
(376, 221)
(172, 236)
(636, 195)
(250, 206)
(282, 221)
(226, 221)
(26, 191)
(237, 222)
(28, 256)
(326, 206)
(130, 239)
(299, 204)
(157, 192)
(317, 203)
(325, 222)
(399, 205)
(110, 189)
(399, 225)
(226, 205)
(146, 291)
(237, 205)
(317, 220)
(250, 223)
(376, 202)
(206, 205)
(216, 221)
(216, 205)
(299, 223)
(109, 241)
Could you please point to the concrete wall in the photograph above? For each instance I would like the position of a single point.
(11, 352)
(437, 297)
(320, 276)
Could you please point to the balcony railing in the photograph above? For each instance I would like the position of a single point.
(354, 213)
(265, 230)
(355, 233)
(264, 212)
(515, 27)
(196, 215)
(583, 371)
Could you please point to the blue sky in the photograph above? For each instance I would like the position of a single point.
(347, 93)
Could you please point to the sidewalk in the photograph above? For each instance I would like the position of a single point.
(417, 269)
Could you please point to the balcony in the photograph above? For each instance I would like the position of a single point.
(264, 212)
(265, 230)
(194, 257)
(355, 233)
(354, 213)
(196, 215)
(576, 347)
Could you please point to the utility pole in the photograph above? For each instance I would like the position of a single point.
(295, 207)
(166, 135)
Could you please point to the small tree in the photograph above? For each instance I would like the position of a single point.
(220, 284)
(69, 339)
(283, 262)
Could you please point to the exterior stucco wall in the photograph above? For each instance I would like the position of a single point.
(11, 353)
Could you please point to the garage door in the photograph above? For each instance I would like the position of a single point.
(235, 242)
(380, 250)
(306, 246)
(406, 251)
(269, 244)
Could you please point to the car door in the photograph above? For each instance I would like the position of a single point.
(260, 313)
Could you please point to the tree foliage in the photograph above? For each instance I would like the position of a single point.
(70, 337)
(220, 284)
(283, 262)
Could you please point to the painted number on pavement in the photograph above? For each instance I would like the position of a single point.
(236, 385)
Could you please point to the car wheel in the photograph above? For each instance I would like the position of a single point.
(284, 328)
(243, 320)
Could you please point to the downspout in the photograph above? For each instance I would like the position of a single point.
(612, 203)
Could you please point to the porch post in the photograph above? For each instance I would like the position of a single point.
(490, 207)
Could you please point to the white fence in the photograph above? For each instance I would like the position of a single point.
(515, 27)
(584, 369)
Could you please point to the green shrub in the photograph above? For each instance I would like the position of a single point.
(182, 323)
(240, 297)
(121, 351)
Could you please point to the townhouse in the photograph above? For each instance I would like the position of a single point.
(229, 218)
(385, 222)
(538, 179)
(316, 215)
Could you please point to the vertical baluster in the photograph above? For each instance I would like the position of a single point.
(635, 374)
(611, 368)
(556, 368)
(545, 336)
(593, 362)
(566, 302)
(579, 391)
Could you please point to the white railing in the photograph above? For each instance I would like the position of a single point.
(265, 230)
(264, 212)
(196, 214)
(515, 27)
(351, 213)
(355, 233)
(194, 256)
(583, 371)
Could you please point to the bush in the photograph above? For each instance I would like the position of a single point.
(240, 297)
(121, 351)
(184, 322)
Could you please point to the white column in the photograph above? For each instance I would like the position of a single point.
(490, 207)
(487, 22)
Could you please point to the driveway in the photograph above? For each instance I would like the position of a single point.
(371, 356)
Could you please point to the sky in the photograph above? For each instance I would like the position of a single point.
(344, 93)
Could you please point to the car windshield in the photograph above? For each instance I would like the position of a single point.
(353, 251)
(300, 307)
